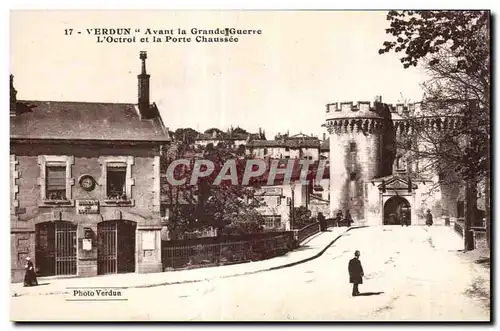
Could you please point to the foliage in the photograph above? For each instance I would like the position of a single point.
(424, 33)
(186, 135)
(453, 47)
(239, 130)
(211, 131)
(302, 217)
(207, 204)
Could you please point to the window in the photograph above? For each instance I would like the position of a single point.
(265, 151)
(287, 149)
(352, 147)
(55, 181)
(116, 180)
(352, 176)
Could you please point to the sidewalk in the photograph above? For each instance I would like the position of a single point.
(311, 248)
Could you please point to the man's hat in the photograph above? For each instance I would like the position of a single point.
(356, 253)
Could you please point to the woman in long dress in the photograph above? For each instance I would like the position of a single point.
(30, 275)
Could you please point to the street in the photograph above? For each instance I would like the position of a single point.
(411, 274)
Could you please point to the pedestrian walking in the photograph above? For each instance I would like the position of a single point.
(348, 218)
(355, 273)
(428, 218)
(404, 220)
(322, 221)
(30, 275)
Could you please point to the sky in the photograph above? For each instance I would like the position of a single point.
(279, 80)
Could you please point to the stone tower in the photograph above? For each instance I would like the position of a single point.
(359, 134)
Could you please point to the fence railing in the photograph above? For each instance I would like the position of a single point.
(459, 227)
(307, 231)
(205, 252)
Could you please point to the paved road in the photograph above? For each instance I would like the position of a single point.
(416, 269)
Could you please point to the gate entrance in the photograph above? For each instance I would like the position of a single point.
(115, 247)
(394, 209)
(55, 248)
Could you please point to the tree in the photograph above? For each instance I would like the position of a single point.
(228, 204)
(211, 131)
(207, 204)
(239, 130)
(302, 217)
(454, 48)
(186, 135)
(181, 200)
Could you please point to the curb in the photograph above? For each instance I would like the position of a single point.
(221, 277)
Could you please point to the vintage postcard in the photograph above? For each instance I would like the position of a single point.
(250, 165)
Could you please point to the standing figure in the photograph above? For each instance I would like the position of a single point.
(404, 219)
(322, 221)
(348, 218)
(428, 218)
(30, 275)
(338, 218)
(355, 273)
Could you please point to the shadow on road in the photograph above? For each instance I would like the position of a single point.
(367, 294)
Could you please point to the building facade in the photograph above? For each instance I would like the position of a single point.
(85, 183)
(299, 146)
(372, 176)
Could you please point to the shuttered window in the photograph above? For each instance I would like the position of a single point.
(56, 181)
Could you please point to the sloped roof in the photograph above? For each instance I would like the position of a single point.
(85, 121)
(229, 137)
(290, 143)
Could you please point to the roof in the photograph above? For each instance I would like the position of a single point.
(228, 137)
(296, 172)
(290, 143)
(85, 121)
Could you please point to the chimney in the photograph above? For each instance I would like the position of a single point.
(378, 98)
(13, 97)
(143, 80)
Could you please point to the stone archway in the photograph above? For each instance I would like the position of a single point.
(394, 208)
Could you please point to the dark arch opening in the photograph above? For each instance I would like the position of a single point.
(395, 209)
(55, 248)
(116, 246)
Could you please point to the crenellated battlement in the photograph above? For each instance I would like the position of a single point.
(348, 106)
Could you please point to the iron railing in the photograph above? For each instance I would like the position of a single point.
(206, 252)
(459, 227)
(307, 231)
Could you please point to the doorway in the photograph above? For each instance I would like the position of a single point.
(55, 248)
(115, 247)
(395, 209)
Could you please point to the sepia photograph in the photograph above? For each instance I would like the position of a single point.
(250, 165)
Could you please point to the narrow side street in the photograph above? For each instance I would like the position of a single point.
(411, 273)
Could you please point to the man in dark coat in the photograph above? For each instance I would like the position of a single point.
(355, 273)
(322, 221)
(30, 275)
(428, 218)
(348, 218)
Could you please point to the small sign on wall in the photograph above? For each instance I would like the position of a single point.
(87, 244)
(148, 240)
(84, 207)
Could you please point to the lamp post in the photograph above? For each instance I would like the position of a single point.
(292, 206)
